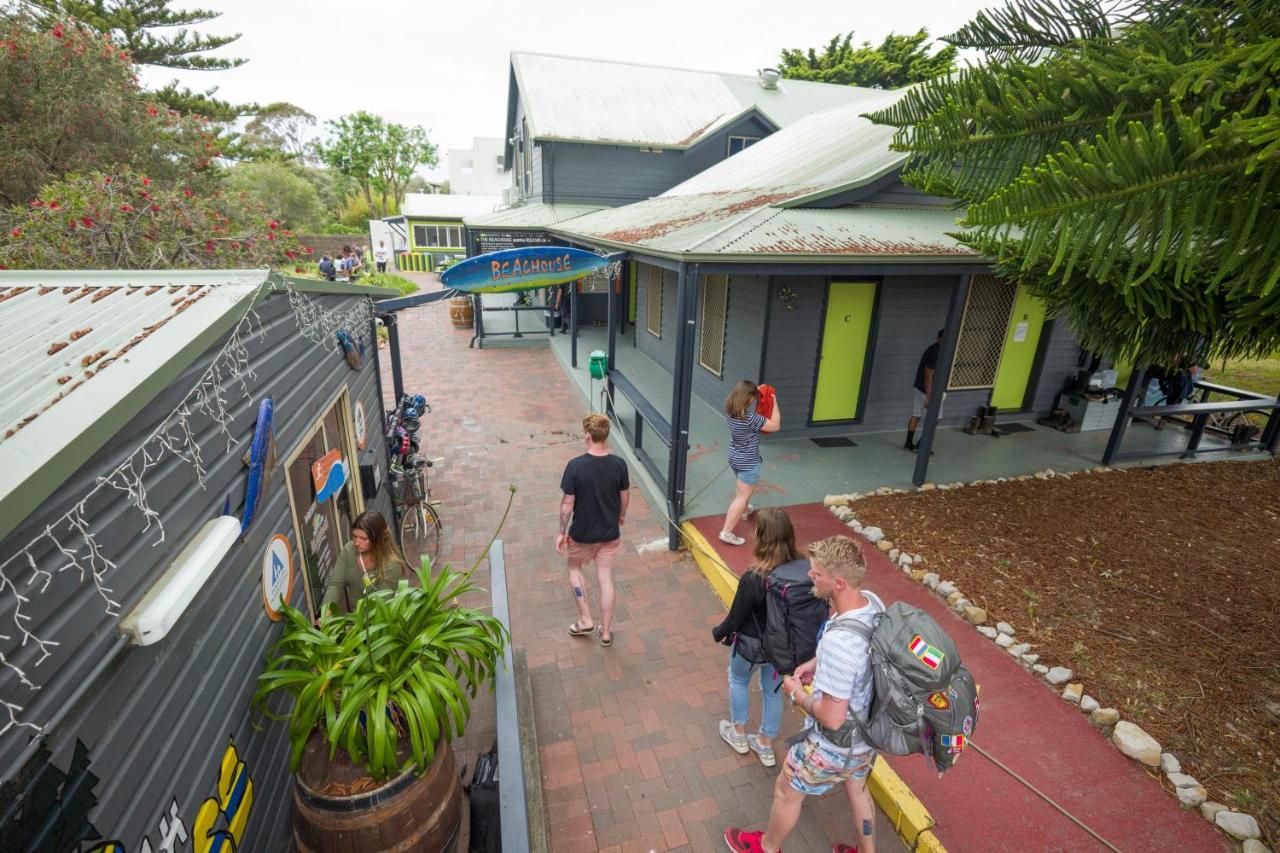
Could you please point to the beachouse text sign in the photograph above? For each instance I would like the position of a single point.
(521, 269)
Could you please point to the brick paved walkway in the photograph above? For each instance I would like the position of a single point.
(630, 755)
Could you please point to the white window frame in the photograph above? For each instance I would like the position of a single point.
(747, 142)
(653, 299)
(713, 321)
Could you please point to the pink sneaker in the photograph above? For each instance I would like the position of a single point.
(843, 848)
(741, 841)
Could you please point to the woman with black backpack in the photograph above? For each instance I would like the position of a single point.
(742, 629)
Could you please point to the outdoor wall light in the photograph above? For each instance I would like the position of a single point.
(166, 601)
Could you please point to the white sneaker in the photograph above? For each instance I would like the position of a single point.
(750, 509)
(729, 734)
(731, 538)
(764, 753)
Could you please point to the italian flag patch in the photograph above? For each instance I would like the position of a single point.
(929, 655)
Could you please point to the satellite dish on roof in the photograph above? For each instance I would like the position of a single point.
(769, 78)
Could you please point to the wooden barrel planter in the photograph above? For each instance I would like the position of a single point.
(462, 312)
(338, 809)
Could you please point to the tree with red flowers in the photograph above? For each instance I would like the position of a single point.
(127, 221)
(69, 101)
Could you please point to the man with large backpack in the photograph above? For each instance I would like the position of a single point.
(831, 751)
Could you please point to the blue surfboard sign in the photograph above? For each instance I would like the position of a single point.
(530, 268)
(259, 453)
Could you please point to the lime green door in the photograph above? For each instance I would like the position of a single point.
(843, 355)
(1019, 356)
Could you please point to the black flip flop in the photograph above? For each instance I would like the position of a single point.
(606, 643)
(575, 631)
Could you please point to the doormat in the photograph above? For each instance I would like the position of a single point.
(837, 441)
(1014, 428)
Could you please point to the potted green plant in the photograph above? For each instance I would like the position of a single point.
(378, 694)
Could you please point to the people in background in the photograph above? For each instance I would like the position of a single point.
(327, 268)
(380, 256)
(351, 265)
(745, 425)
(369, 561)
(832, 751)
(563, 306)
(742, 630)
(592, 512)
(922, 391)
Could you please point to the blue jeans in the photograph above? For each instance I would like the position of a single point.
(740, 670)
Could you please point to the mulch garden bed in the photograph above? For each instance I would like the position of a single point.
(1158, 587)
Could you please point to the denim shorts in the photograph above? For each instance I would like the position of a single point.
(751, 476)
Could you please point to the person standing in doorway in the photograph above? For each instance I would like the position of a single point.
(369, 561)
(832, 751)
(741, 629)
(380, 256)
(745, 425)
(922, 391)
(592, 512)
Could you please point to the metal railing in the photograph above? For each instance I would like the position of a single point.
(645, 412)
(1196, 416)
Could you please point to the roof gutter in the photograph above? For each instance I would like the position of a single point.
(837, 189)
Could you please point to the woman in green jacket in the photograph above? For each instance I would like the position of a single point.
(368, 562)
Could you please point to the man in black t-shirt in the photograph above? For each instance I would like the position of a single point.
(592, 511)
(922, 391)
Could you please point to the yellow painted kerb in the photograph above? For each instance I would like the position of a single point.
(910, 818)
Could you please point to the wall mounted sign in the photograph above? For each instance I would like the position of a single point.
(361, 424)
(329, 474)
(521, 269)
(277, 575)
(495, 241)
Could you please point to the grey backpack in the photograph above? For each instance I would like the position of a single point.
(923, 699)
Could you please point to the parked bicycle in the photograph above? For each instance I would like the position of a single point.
(420, 528)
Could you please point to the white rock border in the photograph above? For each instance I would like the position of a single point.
(1132, 740)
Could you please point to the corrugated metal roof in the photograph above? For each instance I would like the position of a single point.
(748, 205)
(884, 231)
(594, 100)
(74, 344)
(830, 149)
(755, 222)
(531, 215)
(445, 206)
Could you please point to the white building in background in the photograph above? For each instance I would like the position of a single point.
(477, 170)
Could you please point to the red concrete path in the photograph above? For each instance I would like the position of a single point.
(1029, 728)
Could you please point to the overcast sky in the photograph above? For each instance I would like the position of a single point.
(444, 65)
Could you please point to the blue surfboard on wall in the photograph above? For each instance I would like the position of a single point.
(530, 268)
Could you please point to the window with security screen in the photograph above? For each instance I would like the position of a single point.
(653, 300)
(982, 332)
(715, 310)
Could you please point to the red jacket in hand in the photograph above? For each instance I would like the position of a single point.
(764, 404)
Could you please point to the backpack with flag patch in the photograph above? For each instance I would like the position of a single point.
(923, 700)
(793, 617)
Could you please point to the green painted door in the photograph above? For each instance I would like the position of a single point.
(1019, 356)
(845, 333)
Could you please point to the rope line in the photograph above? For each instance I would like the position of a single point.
(1042, 795)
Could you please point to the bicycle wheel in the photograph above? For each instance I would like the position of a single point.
(420, 533)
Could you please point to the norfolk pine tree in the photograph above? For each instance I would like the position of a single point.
(1122, 163)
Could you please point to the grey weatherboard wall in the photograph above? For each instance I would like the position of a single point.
(599, 173)
(910, 310)
(156, 722)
